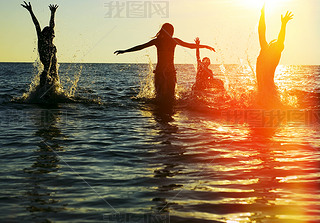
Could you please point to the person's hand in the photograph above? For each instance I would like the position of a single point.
(119, 52)
(211, 48)
(263, 8)
(285, 19)
(27, 6)
(53, 8)
(197, 41)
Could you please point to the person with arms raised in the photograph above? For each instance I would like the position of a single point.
(268, 61)
(47, 50)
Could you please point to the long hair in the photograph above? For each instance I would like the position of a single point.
(166, 30)
(47, 32)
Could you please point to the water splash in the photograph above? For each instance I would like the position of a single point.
(37, 68)
(72, 84)
(241, 90)
(49, 94)
(146, 90)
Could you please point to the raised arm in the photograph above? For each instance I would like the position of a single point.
(284, 20)
(53, 9)
(192, 45)
(136, 48)
(34, 19)
(262, 29)
(197, 41)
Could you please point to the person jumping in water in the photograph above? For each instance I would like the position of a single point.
(268, 60)
(47, 50)
(165, 73)
(204, 78)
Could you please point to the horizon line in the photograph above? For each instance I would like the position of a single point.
(64, 62)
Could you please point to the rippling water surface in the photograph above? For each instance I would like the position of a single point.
(114, 157)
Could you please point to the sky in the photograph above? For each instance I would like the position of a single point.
(89, 31)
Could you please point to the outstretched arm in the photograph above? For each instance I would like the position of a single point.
(284, 20)
(53, 9)
(34, 19)
(262, 29)
(192, 45)
(136, 48)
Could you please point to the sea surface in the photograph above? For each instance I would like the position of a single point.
(111, 155)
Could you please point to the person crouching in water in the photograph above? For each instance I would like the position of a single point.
(205, 78)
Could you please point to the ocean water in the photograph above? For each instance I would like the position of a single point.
(110, 155)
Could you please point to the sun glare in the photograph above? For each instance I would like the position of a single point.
(270, 4)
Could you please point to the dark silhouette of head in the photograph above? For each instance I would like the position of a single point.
(48, 33)
(165, 31)
(206, 61)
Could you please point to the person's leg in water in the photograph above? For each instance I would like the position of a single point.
(53, 73)
(44, 75)
(43, 78)
(165, 83)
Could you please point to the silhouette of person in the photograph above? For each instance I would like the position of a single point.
(269, 58)
(47, 50)
(165, 73)
(205, 78)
